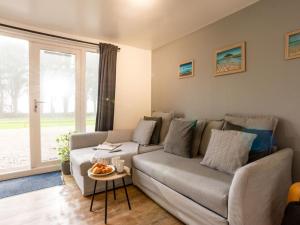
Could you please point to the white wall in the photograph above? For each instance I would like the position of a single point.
(133, 87)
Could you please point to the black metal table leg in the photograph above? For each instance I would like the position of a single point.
(126, 193)
(114, 189)
(91, 207)
(105, 219)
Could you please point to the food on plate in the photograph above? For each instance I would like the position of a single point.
(99, 168)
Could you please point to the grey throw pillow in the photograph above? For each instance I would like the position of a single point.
(166, 121)
(179, 138)
(197, 136)
(143, 132)
(155, 136)
(231, 126)
(228, 150)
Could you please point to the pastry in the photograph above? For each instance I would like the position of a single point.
(99, 168)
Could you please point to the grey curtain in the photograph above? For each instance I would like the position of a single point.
(106, 87)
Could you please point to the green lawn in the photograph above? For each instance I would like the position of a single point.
(14, 123)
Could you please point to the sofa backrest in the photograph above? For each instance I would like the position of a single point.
(203, 129)
(197, 136)
(119, 136)
(211, 124)
(84, 140)
(261, 122)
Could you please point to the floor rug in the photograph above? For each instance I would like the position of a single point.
(30, 183)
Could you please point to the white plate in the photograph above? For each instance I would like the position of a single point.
(102, 174)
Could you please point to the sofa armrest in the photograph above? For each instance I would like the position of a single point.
(258, 193)
(84, 140)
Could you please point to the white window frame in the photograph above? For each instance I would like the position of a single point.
(80, 116)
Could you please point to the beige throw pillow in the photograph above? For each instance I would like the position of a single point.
(228, 150)
(212, 124)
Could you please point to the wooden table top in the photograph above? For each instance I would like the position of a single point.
(112, 176)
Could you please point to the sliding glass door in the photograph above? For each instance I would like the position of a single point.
(47, 89)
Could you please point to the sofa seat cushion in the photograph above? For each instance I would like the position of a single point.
(81, 159)
(149, 148)
(206, 186)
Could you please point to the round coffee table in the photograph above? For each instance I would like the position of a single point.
(111, 177)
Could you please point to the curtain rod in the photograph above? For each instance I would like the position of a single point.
(49, 35)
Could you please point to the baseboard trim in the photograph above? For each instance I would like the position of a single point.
(29, 172)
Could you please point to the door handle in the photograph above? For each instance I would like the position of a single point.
(36, 104)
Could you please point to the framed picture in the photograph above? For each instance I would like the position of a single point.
(186, 69)
(231, 59)
(292, 45)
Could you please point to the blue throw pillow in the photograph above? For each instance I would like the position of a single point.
(263, 142)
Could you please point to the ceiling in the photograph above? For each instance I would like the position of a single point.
(141, 23)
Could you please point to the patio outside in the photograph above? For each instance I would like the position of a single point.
(14, 140)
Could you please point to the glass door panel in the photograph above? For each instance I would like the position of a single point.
(91, 73)
(57, 94)
(41, 98)
(14, 104)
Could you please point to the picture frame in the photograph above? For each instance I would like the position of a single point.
(292, 45)
(230, 59)
(186, 69)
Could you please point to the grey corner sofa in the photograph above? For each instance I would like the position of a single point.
(255, 195)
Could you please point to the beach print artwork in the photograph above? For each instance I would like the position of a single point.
(230, 60)
(186, 69)
(292, 48)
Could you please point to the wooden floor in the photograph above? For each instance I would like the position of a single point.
(65, 205)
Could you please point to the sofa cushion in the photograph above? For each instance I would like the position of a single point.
(203, 185)
(263, 143)
(82, 140)
(260, 122)
(230, 126)
(197, 136)
(119, 136)
(228, 150)
(81, 159)
(149, 148)
(155, 138)
(180, 137)
(212, 124)
(166, 121)
(143, 132)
